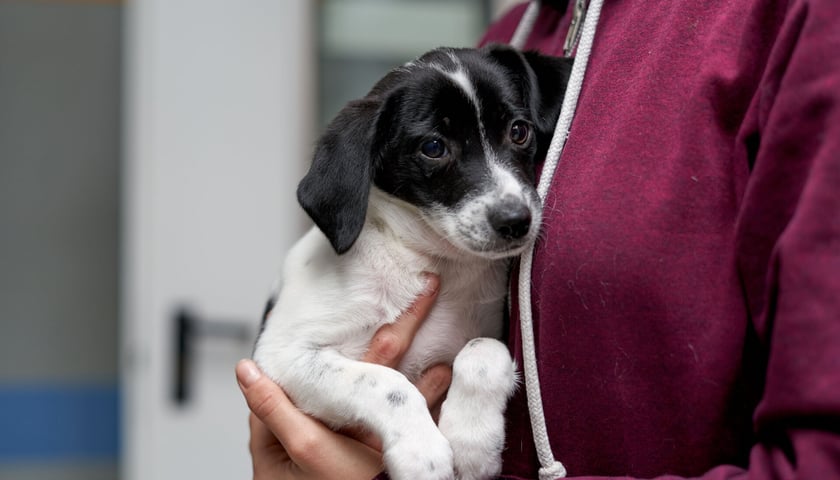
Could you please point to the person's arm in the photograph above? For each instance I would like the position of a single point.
(286, 443)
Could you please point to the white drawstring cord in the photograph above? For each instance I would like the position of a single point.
(526, 24)
(550, 467)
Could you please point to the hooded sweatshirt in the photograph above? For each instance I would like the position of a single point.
(686, 285)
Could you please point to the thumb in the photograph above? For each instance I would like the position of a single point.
(269, 402)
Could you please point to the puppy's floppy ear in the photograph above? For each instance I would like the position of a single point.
(551, 75)
(335, 190)
(542, 81)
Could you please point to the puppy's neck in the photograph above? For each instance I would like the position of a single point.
(463, 274)
(405, 222)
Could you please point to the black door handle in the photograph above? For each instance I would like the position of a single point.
(190, 327)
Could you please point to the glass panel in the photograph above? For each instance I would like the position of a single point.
(361, 40)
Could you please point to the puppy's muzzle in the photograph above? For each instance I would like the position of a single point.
(510, 219)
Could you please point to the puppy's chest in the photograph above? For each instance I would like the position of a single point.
(469, 305)
(381, 285)
(458, 316)
(340, 302)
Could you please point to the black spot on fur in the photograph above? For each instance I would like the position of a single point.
(498, 444)
(269, 306)
(359, 380)
(396, 398)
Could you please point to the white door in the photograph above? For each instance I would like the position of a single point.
(218, 130)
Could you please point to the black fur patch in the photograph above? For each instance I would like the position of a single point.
(396, 398)
(269, 306)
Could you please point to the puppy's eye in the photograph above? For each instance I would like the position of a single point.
(433, 149)
(519, 132)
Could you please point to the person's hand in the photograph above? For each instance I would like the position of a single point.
(286, 443)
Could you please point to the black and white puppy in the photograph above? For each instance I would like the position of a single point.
(432, 171)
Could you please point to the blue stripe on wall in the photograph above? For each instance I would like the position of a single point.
(58, 422)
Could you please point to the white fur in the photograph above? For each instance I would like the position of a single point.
(330, 307)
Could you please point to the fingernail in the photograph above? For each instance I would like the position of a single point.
(432, 283)
(247, 372)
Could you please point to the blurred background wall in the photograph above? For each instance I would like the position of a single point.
(60, 68)
(149, 151)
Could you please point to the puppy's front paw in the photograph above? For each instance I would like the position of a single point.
(420, 455)
(477, 453)
(472, 417)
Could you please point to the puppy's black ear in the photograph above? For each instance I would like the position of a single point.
(335, 190)
(541, 80)
(551, 75)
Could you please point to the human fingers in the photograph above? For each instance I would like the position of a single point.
(391, 341)
(261, 436)
(268, 456)
(303, 447)
(434, 384)
(364, 436)
(269, 404)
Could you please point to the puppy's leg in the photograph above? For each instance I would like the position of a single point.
(472, 417)
(342, 391)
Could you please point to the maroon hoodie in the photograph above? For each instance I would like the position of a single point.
(686, 290)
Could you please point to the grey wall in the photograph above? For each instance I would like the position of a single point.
(59, 161)
(59, 152)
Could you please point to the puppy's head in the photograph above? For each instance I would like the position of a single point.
(456, 133)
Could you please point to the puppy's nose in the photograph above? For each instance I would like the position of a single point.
(511, 220)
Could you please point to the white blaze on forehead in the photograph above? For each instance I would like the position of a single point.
(460, 78)
(506, 182)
